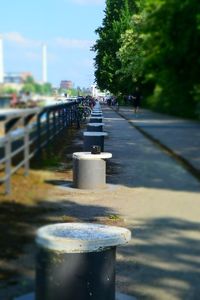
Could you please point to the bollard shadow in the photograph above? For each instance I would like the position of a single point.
(60, 183)
(163, 260)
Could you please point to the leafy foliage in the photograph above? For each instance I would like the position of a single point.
(172, 46)
(156, 44)
(107, 62)
(31, 86)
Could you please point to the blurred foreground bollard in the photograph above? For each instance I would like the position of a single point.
(76, 261)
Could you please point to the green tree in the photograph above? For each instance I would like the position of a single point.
(107, 62)
(174, 39)
(161, 50)
(31, 86)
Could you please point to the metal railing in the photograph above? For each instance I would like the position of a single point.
(27, 131)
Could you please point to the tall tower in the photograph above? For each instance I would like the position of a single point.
(1, 61)
(94, 90)
(44, 63)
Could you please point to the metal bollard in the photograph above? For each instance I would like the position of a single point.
(89, 170)
(76, 261)
(95, 127)
(96, 111)
(96, 115)
(96, 119)
(93, 138)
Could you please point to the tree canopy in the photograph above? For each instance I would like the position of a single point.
(154, 44)
(107, 62)
(33, 87)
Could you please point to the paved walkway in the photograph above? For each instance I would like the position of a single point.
(157, 198)
(180, 136)
(160, 201)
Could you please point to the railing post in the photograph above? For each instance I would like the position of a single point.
(8, 167)
(63, 117)
(54, 122)
(48, 126)
(27, 120)
(26, 148)
(8, 152)
(71, 116)
(39, 133)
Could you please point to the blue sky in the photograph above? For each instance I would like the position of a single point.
(65, 26)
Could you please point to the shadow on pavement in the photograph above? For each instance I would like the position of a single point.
(163, 260)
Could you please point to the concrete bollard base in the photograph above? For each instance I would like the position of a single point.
(89, 170)
(89, 174)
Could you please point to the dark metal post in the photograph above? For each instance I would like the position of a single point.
(54, 122)
(8, 163)
(27, 120)
(8, 151)
(91, 138)
(95, 127)
(48, 132)
(39, 132)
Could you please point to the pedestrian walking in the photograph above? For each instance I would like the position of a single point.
(136, 99)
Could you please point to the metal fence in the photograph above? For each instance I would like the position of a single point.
(27, 131)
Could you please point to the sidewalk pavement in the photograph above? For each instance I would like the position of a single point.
(159, 200)
(180, 136)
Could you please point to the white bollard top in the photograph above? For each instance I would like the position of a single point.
(95, 124)
(89, 155)
(81, 237)
(100, 118)
(95, 133)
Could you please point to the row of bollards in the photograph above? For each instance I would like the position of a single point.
(76, 261)
(89, 168)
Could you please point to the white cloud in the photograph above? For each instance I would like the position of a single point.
(19, 39)
(74, 43)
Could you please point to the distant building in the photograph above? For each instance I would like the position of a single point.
(66, 84)
(16, 80)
